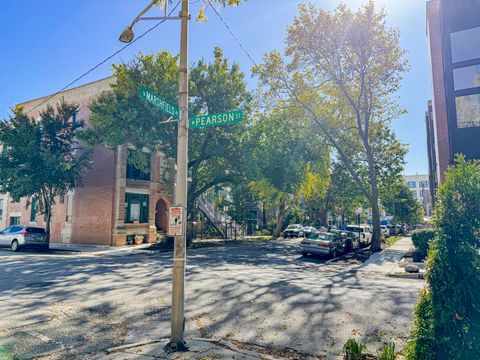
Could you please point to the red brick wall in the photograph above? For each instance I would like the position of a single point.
(93, 201)
(442, 145)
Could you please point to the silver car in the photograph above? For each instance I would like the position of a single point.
(17, 236)
(323, 244)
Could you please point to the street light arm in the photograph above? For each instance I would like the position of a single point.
(149, 6)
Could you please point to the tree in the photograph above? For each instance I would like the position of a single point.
(41, 159)
(342, 71)
(401, 203)
(283, 154)
(120, 117)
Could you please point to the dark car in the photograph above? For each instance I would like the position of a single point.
(293, 230)
(17, 236)
(351, 239)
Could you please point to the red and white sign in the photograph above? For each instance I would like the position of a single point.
(175, 221)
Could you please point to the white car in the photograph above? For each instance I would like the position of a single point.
(363, 232)
(385, 230)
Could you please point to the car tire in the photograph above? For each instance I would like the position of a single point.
(14, 246)
(304, 253)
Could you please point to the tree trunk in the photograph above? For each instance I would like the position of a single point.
(48, 218)
(280, 218)
(377, 232)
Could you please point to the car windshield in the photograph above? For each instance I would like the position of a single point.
(321, 236)
(290, 227)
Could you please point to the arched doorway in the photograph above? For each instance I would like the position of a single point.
(161, 216)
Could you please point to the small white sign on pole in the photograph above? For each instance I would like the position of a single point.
(358, 211)
(175, 221)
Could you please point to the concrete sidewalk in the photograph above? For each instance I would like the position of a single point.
(385, 261)
(98, 250)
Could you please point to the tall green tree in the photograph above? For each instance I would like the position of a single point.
(42, 159)
(400, 202)
(285, 155)
(120, 117)
(342, 70)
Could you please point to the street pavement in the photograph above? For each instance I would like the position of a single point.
(258, 295)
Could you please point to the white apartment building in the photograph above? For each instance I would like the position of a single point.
(419, 186)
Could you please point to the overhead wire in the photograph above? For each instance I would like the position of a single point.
(103, 61)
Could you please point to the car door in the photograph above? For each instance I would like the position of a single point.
(4, 237)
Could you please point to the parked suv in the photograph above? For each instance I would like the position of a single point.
(18, 236)
(294, 230)
(363, 233)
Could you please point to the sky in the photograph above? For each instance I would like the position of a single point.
(44, 45)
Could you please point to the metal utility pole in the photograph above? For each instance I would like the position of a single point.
(177, 342)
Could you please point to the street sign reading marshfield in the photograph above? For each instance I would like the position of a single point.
(155, 100)
(223, 118)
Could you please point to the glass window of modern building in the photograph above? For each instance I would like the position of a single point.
(466, 77)
(462, 44)
(468, 111)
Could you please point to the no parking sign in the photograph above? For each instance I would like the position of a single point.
(175, 221)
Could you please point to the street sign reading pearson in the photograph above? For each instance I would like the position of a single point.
(153, 99)
(223, 118)
(175, 221)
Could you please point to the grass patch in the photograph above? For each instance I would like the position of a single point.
(392, 239)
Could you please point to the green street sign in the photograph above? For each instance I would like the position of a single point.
(155, 100)
(223, 118)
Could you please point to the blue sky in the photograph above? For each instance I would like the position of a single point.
(46, 44)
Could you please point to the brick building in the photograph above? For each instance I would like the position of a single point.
(453, 32)
(115, 201)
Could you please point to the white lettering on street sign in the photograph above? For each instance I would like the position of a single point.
(175, 221)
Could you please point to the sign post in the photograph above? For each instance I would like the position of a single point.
(358, 211)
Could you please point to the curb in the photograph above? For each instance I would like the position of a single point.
(414, 276)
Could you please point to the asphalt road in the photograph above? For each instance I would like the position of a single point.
(71, 306)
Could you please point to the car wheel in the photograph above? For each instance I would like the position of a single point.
(14, 246)
(348, 247)
(304, 253)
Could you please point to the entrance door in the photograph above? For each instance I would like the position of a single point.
(161, 216)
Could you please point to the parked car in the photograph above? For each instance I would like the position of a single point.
(385, 230)
(309, 230)
(351, 240)
(392, 230)
(363, 233)
(323, 244)
(18, 236)
(294, 230)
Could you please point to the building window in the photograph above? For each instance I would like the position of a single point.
(1, 209)
(136, 174)
(136, 208)
(414, 193)
(14, 220)
(424, 184)
(466, 77)
(411, 184)
(465, 44)
(422, 193)
(33, 209)
(468, 111)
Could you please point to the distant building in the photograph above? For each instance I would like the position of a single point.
(453, 116)
(115, 201)
(419, 186)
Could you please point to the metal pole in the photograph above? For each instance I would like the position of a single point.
(177, 342)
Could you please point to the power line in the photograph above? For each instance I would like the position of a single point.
(103, 61)
(243, 48)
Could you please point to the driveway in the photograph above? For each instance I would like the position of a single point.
(255, 292)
